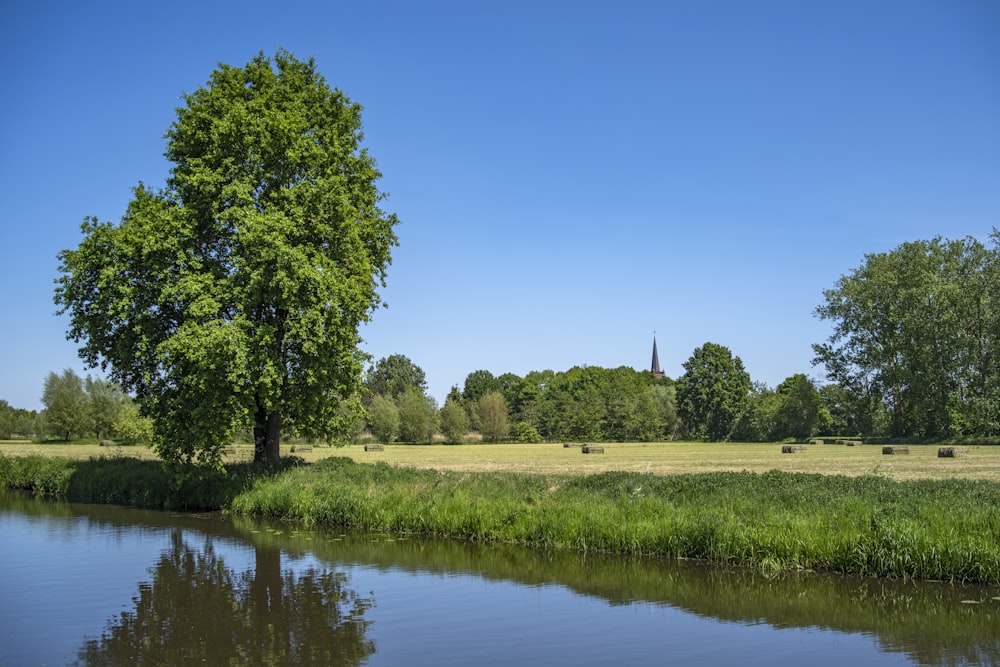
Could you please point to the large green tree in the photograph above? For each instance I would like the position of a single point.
(713, 392)
(917, 330)
(232, 297)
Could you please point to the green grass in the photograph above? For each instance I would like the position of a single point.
(866, 525)
(123, 480)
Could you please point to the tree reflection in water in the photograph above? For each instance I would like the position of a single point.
(196, 609)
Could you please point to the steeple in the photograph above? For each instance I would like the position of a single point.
(655, 369)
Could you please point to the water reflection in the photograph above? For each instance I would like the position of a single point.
(931, 623)
(196, 609)
(224, 591)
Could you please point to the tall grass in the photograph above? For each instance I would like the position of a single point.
(123, 480)
(867, 526)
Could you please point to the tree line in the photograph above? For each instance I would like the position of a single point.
(76, 407)
(713, 400)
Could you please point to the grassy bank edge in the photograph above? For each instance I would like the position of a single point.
(867, 526)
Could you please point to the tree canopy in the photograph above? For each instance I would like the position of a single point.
(916, 333)
(713, 392)
(233, 296)
(395, 375)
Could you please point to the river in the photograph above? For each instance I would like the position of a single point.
(102, 585)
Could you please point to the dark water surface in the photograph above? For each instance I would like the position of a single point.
(99, 585)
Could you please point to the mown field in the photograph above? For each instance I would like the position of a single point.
(982, 462)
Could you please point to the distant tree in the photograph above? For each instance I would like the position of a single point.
(7, 419)
(524, 432)
(106, 399)
(131, 426)
(713, 392)
(395, 375)
(525, 405)
(384, 418)
(16, 421)
(454, 394)
(756, 423)
(454, 421)
(350, 424)
(66, 405)
(417, 416)
(665, 398)
(478, 384)
(232, 297)
(574, 405)
(493, 417)
(27, 422)
(509, 385)
(800, 412)
(853, 413)
(632, 411)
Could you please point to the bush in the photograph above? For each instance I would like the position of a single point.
(525, 432)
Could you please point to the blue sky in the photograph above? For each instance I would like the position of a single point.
(570, 176)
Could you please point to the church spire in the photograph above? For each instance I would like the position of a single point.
(655, 369)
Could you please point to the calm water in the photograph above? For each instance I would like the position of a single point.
(97, 585)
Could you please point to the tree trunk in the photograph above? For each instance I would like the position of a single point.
(269, 617)
(266, 436)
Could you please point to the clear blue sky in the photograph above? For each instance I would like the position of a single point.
(570, 176)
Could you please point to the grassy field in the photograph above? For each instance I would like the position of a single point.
(982, 462)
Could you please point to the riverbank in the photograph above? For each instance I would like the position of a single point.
(866, 525)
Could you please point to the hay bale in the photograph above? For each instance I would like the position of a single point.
(302, 448)
(817, 441)
(591, 449)
(895, 449)
(952, 452)
(230, 450)
(570, 444)
(374, 448)
(106, 443)
(792, 449)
